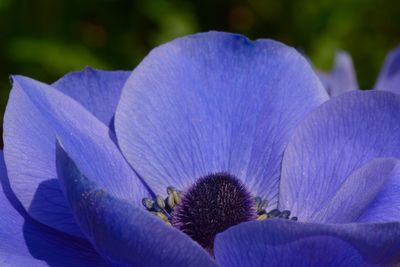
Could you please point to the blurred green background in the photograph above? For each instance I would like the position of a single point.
(44, 39)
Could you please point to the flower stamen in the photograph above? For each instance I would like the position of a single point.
(211, 205)
(163, 208)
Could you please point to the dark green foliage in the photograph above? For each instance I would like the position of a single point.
(46, 38)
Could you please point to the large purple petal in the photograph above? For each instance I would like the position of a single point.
(29, 151)
(29, 142)
(389, 78)
(215, 102)
(371, 191)
(336, 139)
(279, 242)
(124, 233)
(24, 242)
(96, 90)
(86, 139)
(342, 78)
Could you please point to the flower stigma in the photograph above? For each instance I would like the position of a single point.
(210, 206)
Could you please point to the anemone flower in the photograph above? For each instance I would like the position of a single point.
(214, 151)
(343, 78)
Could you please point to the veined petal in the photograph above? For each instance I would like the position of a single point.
(29, 151)
(215, 102)
(389, 78)
(386, 205)
(336, 139)
(98, 91)
(86, 139)
(277, 242)
(342, 78)
(371, 193)
(24, 242)
(29, 143)
(122, 232)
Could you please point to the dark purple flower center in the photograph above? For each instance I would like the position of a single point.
(213, 204)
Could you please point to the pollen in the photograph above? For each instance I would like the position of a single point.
(163, 208)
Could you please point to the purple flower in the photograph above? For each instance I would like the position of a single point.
(343, 78)
(205, 155)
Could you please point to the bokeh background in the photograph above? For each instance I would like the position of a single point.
(44, 39)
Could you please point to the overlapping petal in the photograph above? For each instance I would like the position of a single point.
(24, 242)
(215, 102)
(389, 77)
(96, 90)
(87, 140)
(371, 193)
(336, 139)
(30, 142)
(386, 205)
(278, 242)
(342, 78)
(29, 151)
(122, 232)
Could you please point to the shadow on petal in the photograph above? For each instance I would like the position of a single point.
(45, 202)
(58, 249)
(25, 242)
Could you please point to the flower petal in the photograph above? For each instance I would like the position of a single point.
(336, 139)
(87, 140)
(342, 78)
(214, 102)
(29, 143)
(389, 78)
(278, 242)
(125, 234)
(23, 242)
(29, 151)
(386, 205)
(96, 90)
(373, 188)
